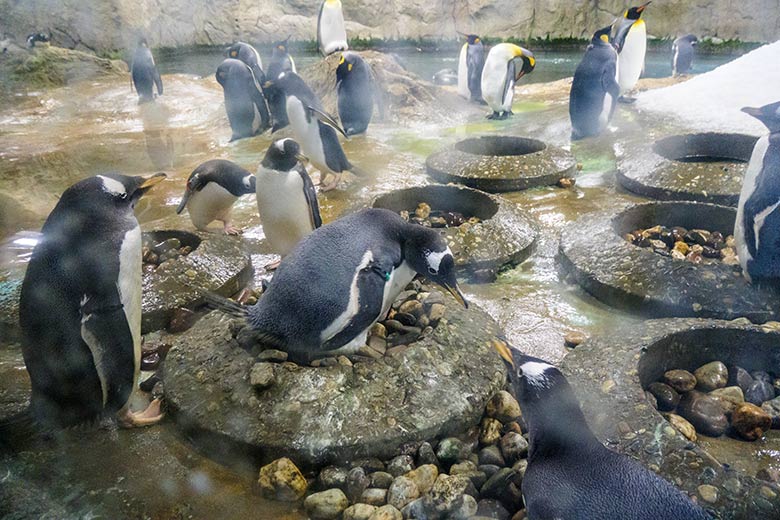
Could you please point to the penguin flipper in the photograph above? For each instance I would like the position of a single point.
(327, 119)
(509, 82)
(105, 330)
(311, 198)
(158, 82)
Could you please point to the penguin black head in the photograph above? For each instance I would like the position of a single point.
(283, 155)
(291, 84)
(281, 45)
(529, 63)
(691, 38)
(123, 191)
(473, 39)
(767, 114)
(347, 62)
(142, 42)
(233, 50)
(602, 35)
(427, 253)
(634, 13)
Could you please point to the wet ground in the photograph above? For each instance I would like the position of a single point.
(52, 139)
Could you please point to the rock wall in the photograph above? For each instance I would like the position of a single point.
(113, 24)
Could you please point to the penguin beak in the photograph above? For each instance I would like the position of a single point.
(184, 200)
(643, 6)
(504, 351)
(302, 158)
(268, 83)
(454, 290)
(148, 182)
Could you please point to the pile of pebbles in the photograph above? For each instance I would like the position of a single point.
(416, 312)
(696, 245)
(425, 216)
(156, 255)
(715, 400)
(476, 475)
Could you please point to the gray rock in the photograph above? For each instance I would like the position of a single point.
(415, 510)
(666, 397)
(426, 455)
(503, 407)
(451, 450)
(262, 376)
(759, 392)
(488, 469)
(326, 505)
(381, 479)
(369, 465)
(359, 512)
(386, 512)
(760, 375)
(740, 377)
(489, 508)
(374, 496)
(704, 413)
(463, 508)
(447, 497)
(402, 491)
(400, 465)
(773, 409)
(680, 380)
(711, 376)
(357, 482)
(271, 355)
(496, 485)
(332, 477)
(513, 446)
(491, 455)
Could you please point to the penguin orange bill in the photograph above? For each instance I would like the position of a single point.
(302, 158)
(643, 6)
(455, 292)
(154, 179)
(504, 351)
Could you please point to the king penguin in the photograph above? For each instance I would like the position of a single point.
(244, 52)
(331, 34)
(80, 306)
(757, 230)
(500, 74)
(286, 199)
(281, 61)
(144, 73)
(630, 39)
(212, 189)
(470, 65)
(594, 91)
(682, 54)
(244, 101)
(356, 89)
(341, 279)
(313, 128)
(570, 473)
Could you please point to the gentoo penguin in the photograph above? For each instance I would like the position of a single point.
(249, 55)
(356, 89)
(342, 278)
(331, 34)
(34, 38)
(570, 473)
(594, 91)
(281, 61)
(470, 65)
(630, 39)
(244, 101)
(80, 306)
(682, 54)
(757, 230)
(499, 75)
(286, 199)
(313, 128)
(211, 190)
(144, 73)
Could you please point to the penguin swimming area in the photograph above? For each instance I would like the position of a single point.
(470, 279)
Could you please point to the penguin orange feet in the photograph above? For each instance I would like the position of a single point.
(152, 415)
(230, 230)
(328, 186)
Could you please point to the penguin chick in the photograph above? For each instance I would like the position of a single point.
(286, 199)
(80, 306)
(499, 75)
(212, 189)
(570, 473)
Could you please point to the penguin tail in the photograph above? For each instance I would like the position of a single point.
(226, 305)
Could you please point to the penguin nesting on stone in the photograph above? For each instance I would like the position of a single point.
(630, 39)
(80, 306)
(286, 199)
(144, 73)
(357, 92)
(682, 54)
(757, 230)
(212, 189)
(570, 473)
(281, 61)
(470, 65)
(331, 33)
(594, 91)
(313, 128)
(341, 279)
(500, 74)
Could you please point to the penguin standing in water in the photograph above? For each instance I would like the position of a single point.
(281, 61)
(757, 230)
(211, 190)
(331, 34)
(500, 74)
(356, 93)
(313, 128)
(570, 473)
(630, 40)
(244, 101)
(594, 91)
(682, 54)
(144, 73)
(286, 199)
(80, 306)
(470, 65)
(249, 55)
(341, 279)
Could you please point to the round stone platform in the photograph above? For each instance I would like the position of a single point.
(626, 276)
(609, 373)
(503, 238)
(707, 167)
(496, 163)
(331, 414)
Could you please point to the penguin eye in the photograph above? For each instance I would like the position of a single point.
(431, 270)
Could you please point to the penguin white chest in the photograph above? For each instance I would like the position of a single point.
(307, 132)
(463, 73)
(333, 35)
(493, 82)
(748, 187)
(211, 203)
(631, 60)
(283, 209)
(129, 284)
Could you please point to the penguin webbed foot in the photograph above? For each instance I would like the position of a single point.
(152, 415)
(231, 230)
(328, 186)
